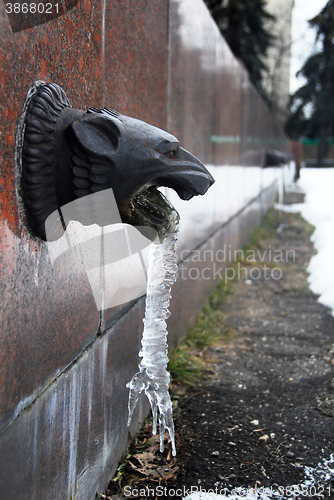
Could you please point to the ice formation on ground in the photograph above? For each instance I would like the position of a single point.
(316, 484)
(153, 377)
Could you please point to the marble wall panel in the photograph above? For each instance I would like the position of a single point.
(136, 35)
(66, 51)
(228, 107)
(49, 317)
(191, 76)
(67, 444)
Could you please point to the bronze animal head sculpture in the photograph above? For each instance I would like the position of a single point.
(69, 154)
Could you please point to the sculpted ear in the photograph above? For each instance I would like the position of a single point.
(97, 134)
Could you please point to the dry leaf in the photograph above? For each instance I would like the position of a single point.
(150, 467)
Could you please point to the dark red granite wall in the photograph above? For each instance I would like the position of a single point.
(40, 307)
(163, 62)
(43, 308)
(136, 59)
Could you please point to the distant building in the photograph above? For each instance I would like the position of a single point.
(276, 81)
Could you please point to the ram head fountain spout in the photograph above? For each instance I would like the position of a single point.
(69, 154)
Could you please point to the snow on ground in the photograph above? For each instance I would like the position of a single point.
(315, 483)
(318, 210)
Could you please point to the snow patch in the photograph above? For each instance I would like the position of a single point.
(292, 209)
(318, 210)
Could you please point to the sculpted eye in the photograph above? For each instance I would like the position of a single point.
(171, 153)
(168, 148)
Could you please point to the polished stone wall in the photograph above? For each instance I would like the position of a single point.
(64, 364)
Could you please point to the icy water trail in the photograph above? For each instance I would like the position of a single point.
(153, 377)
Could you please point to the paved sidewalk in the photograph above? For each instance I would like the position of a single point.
(268, 411)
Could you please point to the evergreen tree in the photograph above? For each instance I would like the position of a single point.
(242, 23)
(313, 103)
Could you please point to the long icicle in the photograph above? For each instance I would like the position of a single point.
(153, 377)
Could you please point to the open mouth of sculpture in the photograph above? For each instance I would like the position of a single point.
(150, 208)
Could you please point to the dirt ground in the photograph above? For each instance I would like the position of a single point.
(264, 415)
